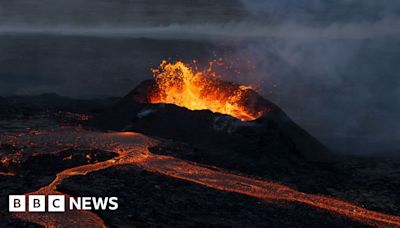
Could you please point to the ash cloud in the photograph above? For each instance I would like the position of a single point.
(334, 71)
(343, 91)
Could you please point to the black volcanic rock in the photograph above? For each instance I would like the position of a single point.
(50, 102)
(272, 146)
(274, 132)
(153, 200)
(39, 170)
(150, 199)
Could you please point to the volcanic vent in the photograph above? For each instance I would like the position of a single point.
(194, 89)
(220, 119)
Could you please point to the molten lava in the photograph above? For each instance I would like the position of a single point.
(132, 148)
(187, 86)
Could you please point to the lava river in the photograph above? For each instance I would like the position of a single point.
(132, 148)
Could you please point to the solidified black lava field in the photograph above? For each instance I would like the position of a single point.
(152, 199)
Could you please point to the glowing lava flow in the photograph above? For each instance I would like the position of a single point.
(188, 87)
(132, 149)
(6, 174)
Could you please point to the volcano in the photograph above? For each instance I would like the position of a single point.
(252, 135)
(185, 149)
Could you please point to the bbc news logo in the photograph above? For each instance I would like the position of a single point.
(58, 203)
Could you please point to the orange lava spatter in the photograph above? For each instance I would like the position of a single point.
(186, 86)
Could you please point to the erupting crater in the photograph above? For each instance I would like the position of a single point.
(187, 86)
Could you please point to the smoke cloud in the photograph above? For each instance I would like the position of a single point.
(332, 65)
(333, 68)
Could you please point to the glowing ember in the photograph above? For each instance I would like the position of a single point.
(187, 86)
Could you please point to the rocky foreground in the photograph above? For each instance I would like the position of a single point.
(152, 199)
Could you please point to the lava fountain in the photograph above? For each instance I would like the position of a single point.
(187, 86)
